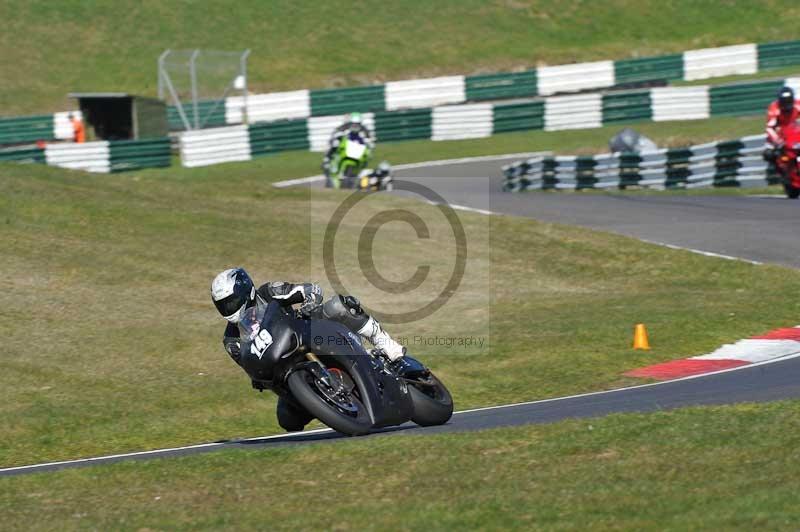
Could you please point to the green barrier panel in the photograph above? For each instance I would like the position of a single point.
(272, 137)
(629, 169)
(549, 180)
(349, 100)
(672, 166)
(729, 148)
(26, 155)
(518, 117)
(679, 156)
(772, 175)
(726, 178)
(125, 155)
(678, 167)
(778, 54)
(403, 125)
(210, 114)
(500, 86)
(727, 163)
(744, 98)
(26, 129)
(140, 163)
(584, 172)
(627, 107)
(662, 68)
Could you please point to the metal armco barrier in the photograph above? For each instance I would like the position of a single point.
(735, 163)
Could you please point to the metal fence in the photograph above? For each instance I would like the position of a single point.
(735, 163)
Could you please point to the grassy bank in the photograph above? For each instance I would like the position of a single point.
(49, 49)
(726, 468)
(113, 345)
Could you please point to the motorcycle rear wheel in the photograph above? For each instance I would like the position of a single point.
(433, 404)
(352, 421)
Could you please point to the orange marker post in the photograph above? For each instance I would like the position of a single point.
(640, 337)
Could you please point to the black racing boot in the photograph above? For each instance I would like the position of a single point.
(408, 368)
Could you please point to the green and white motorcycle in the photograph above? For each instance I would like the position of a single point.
(349, 159)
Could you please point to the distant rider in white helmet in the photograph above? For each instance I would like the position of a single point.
(233, 292)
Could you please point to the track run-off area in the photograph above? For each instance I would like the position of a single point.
(749, 228)
(766, 381)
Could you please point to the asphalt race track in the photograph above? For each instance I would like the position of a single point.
(755, 229)
(762, 229)
(765, 382)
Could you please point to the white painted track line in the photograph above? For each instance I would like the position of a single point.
(145, 453)
(34, 467)
(409, 166)
(701, 252)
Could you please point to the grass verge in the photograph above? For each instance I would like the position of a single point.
(113, 45)
(113, 345)
(723, 468)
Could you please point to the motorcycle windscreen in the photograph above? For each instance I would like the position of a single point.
(254, 342)
(354, 150)
(250, 322)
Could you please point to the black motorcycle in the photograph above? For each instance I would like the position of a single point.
(322, 366)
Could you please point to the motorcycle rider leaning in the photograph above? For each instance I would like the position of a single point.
(780, 113)
(353, 122)
(233, 292)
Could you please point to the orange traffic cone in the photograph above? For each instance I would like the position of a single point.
(640, 337)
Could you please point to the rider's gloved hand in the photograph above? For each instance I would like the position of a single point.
(312, 300)
(233, 348)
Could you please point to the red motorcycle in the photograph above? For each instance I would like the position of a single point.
(786, 161)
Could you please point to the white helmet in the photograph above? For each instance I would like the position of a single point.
(232, 292)
(355, 118)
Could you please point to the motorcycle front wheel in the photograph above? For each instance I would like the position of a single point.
(433, 404)
(339, 409)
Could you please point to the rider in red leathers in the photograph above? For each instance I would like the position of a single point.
(782, 116)
(781, 112)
